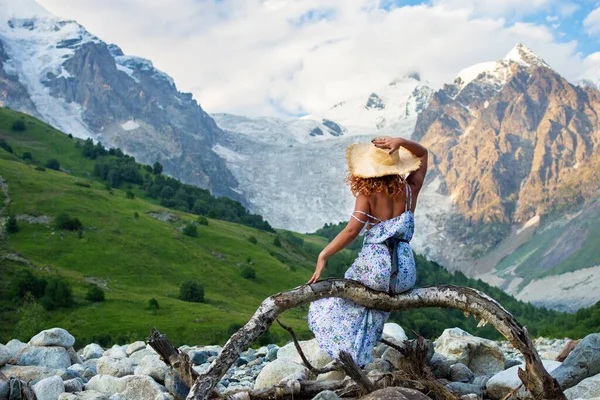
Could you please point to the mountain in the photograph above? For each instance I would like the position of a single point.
(513, 171)
(55, 70)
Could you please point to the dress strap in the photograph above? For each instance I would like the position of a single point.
(368, 215)
(408, 198)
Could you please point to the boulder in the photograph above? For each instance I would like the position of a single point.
(77, 369)
(482, 356)
(326, 395)
(4, 387)
(176, 385)
(503, 382)
(105, 384)
(395, 393)
(314, 354)
(461, 388)
(136, 346)
(92, 351)
(440, 365)
(276, 371)
(114, 366)
(459, 372)
(140, 387)
(481, 381)
(394, 332)
(586, 389)
(581, 363)
(154, 367)
(75, 359)
(53, 337)
(139, 355)
(31, 374)
(87, 395)
(49, 388)
(378, 366)
(4, 355)
(512, 362)
(115, 352)
(50, 357)
(73, 385)
(14, 347)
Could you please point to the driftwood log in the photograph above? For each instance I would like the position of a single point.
(535, 378)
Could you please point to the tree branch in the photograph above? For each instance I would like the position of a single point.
(536, 379)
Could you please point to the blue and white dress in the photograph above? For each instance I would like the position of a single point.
(340, 324)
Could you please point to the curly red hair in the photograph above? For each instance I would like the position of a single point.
(389, 184)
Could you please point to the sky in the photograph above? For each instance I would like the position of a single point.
(294, 57)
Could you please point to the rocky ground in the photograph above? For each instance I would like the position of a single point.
(471, 367)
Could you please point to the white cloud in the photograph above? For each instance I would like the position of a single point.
(592, 23)
(567, 9)
(274, 56)
(497, 8)
(551, 18)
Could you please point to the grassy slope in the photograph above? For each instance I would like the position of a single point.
(140, 258)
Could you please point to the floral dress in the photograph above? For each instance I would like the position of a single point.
(340, 324)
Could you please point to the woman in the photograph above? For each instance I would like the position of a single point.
(385, 202)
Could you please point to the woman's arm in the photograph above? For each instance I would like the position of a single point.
(343, 239)
(416, 178)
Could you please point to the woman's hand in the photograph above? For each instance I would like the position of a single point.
(320, 267)
(393, 144)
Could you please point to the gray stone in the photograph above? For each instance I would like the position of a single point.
(89, 372)
(115, 352)
(277, 370)
(581, 363)
(4, 355)
(114, 366)
(440, 365)
(14, 347)
(272, 355)
(317, 357)
(395, 393)
(481, 381)
(586, 389)
(175, 384)
(77, 369)
(105, 384)
(139, 355)
(326, 395)
(73, 385)
(53, 337)
(136, 346)
(92, 351)
(31, 374)
(511, 362)
(262, 352)
(378, 366)
(461, 388)
(459, 372)
(470, 396)
(49, 388)
(139, 387)
(87, 395)
(50, 357)
(503, 382)
(154, 367)
(395, 332)
(482, 356)
(4, 388)
(75, 359)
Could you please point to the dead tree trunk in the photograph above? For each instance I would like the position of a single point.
(535, 378)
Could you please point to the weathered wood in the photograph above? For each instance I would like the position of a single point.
(354, 372)
(536, 379)
(173, 357)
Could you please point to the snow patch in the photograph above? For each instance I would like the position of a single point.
(532, 222)
(130, 125)
(128, 71)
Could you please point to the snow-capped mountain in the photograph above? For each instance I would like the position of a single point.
(56, 70)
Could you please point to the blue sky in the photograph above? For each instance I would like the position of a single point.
(290, 57)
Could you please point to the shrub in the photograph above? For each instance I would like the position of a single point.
(40, 169)
(18, 126)
(277, 241)
(53, 163)
(95, 294)
(136, 215)
(157, 168)
(248, 273)
(12, 226)
(82, 184)
(148, 168)
(5, 146)
(27, 156)
(191, 291)
(129, 194)
(202, 221)
(25, 282)
(58, 293)
(252, 239)
(190, 230)
(153, 304)
(66, 223)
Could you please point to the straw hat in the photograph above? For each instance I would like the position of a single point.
(367, 161)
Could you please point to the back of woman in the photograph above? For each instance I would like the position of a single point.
(385, 201)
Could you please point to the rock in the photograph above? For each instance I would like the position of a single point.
(199, 357)
(440, 365)
(77, 369)
(326, 395)
(586, 389)
(277, 370)
(395, 393)
(4, 355)
(49, 388)
(262, 352)
(503, 382)
(73, 385)
(175, 384)
(136, 346)
(53, 337)
(314, 354)
(75, 359)
(50, 357)
(89, 372)
(470, 397)
(395, 332)
(139, 355)
(482, 356)
(272, 355)
(511, 363)
(481, 381)
(87, 395)
(31, 374)
(14, 347)
(105, 384)
(92, 351)
(393, 356)
(241, 361)
(581, 363)
(154, 367)
(114, 366)
(461, 388)
(4, 387)
(139, 387)
(567, 349)
(459, 372)
(115, 352)
(378, 366)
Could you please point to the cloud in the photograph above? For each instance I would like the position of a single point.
(592, 23)
(552, 18)
(276, 57)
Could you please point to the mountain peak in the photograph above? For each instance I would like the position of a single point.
(523, 55)
(21, 9)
